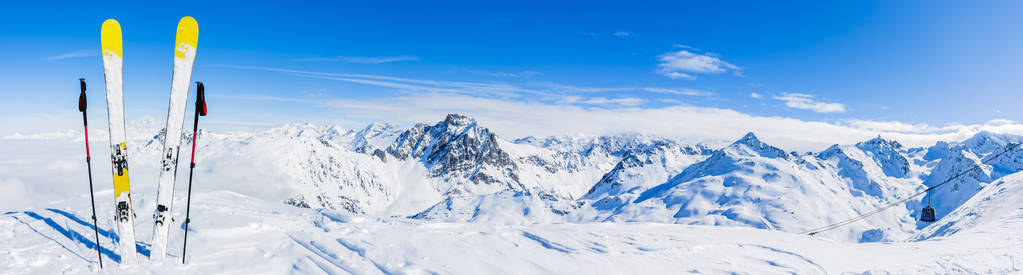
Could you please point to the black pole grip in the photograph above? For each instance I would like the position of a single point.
(81, 97)
(200, 98)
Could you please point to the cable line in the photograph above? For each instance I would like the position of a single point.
(886, 207)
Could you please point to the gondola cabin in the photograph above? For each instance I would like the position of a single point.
(927, 214)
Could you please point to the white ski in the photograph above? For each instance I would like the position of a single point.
(112, 72)
(184, 57)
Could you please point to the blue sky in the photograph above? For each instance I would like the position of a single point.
(919, 71)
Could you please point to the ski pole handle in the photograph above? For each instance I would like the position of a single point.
(85, 119)
(81, 97)
(200, 98)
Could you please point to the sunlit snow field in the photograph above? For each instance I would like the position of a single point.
(241, 225)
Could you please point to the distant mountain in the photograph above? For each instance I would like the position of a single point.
(458, 151)
(547, 176)
(956, 158)
(871, 167)
(374, 138)
(888, 155)
(751, 183)
(636, 172)
(997, 207)
(506, 207)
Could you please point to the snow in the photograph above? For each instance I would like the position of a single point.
(997, 207)
(237, 234)
(957, 158)
(750, 183)
(578, 204)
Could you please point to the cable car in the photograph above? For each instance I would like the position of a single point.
(927, 214)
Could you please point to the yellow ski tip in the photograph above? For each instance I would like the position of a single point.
(187, 20)
(110, 37)
(188, 34)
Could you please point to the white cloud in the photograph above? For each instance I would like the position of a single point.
(513, 119)
(681, 46)
(684, 64)
(625, 101)
(806, 102)
(622, 34)
(686, 91)
(756, 95)
(563, 110)
(678, 75)
(673, 101)
(78, 53)
(522, 74)
(570, 99)
(412, 85)
(553, 91)
(364, 59)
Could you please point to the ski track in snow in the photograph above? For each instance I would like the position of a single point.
(548, 243)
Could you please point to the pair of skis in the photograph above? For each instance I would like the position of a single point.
(184, 57)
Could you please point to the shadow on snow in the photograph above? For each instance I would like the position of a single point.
(78, 237)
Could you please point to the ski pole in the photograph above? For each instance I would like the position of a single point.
(88, 163)
(200, 110)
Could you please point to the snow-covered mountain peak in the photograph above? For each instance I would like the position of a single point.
(334, 130)
(939, 150)
(375, 136)
(749, 139)
(375, 128)
(888, 154)
(458, 120)
(749, 144)
(459, 151)
(879, 142)
(293, 129)
(985, 142)
(981, 144)
(531, 140)
(310, 130)
(423, 140)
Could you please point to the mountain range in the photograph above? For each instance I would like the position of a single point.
(458, 170)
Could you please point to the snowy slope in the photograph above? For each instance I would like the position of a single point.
(317, 169)
(878, 168)
(998, 206)
(360, 194)
(959, 157)
(638, 171)
(750, 183)
(238, 234)
(447, 170)
(504, 207)
(485, 178)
